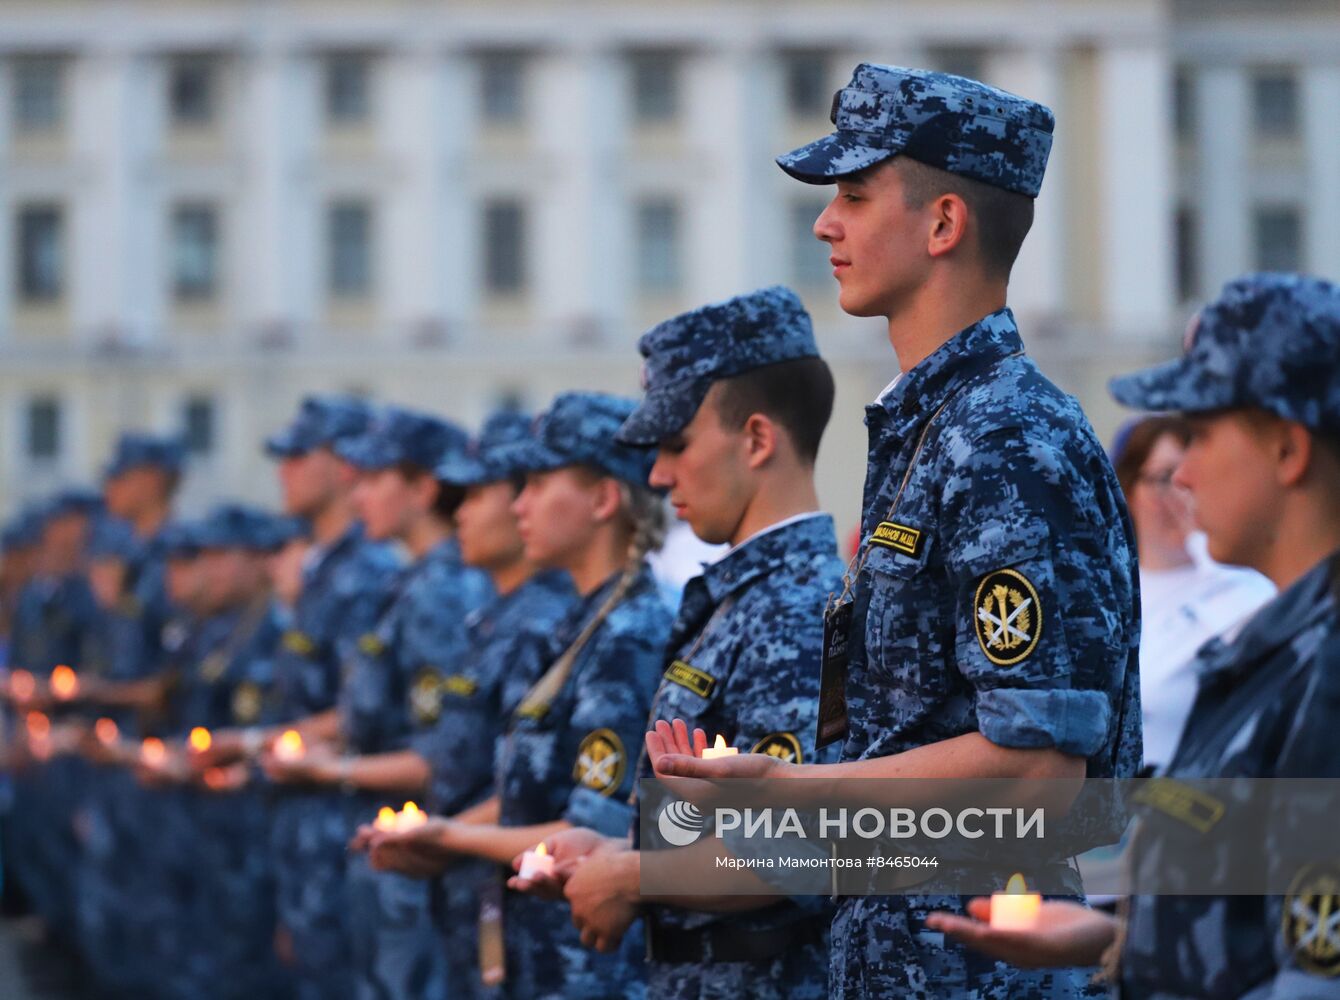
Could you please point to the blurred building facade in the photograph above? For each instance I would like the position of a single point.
(211, 207)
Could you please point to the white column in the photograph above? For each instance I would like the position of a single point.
(455, 210)
(1321, 98)
(1137, 193)
(1224, 146)
(1037, 283)
(404, 231)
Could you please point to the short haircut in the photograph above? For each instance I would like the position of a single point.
(1003, 217)
(1140, 441)
(797, 395)
(449, 496)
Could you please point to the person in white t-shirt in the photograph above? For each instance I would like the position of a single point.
(1186, 598)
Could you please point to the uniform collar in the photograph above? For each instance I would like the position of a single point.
(769, 550)
(958, 359)
(1304, 603)
(318, 555)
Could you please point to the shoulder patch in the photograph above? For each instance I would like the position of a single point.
(246, 703)
(459, 685)
(425, 696)
(298, 642)
(899, 537)
(783, 746)
(1312, 920)
(370, 644)
(213, 666)
(601, 762)
(691, 677)
(1007, 616)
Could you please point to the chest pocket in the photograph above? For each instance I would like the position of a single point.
(909, 636)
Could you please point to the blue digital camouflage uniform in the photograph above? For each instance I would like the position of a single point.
(998, 592)
(746, 647)
(346, 584)
(569, 758)
(477, 697)
(392, 693)
(1266, 702)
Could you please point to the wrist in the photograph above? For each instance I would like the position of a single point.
(630, 876)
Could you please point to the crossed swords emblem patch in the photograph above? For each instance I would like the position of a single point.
(601, 762)
(1312, 920)
(1008, 616)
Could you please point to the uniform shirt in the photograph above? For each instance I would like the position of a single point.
(143, 613)
(53, 622)
(999, 595)
(1265, 708)
(393, 680)
(472, 709)
(230, 677)
(345, 587)
(745, 656)
(572, 762)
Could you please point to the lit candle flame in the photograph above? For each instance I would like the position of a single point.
(106, 731)
(39, 726)
(1016, 884)
(412, 816)
(720, 744)
(152, 750)
(200, 739)
(64, 683)
(540, 849)
(290, 745)
(22, 685)
(386, 818)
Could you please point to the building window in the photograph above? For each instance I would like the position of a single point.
(808, 92)
(809, 257)
(961, 60)
(195, 252)
(1184, 104)
(659, 268)
(655, 87)
(1275, 105)
(44, 429)
(348, 89)
(1279, 239)
(198, 417)
(1187, 250)
(504, 247)
(502, 88)
(191, 91)
(41, 275)
(350, 250)
(37, 94)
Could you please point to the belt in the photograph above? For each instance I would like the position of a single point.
(716, 943)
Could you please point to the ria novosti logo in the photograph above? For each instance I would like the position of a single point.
(680, 824)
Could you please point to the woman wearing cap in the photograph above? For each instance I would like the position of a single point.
(582, 700)
(1258, 385)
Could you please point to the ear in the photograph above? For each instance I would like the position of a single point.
(949, 224)
(425, 492)
(1294, 453)
(760, 436)
(607, 498)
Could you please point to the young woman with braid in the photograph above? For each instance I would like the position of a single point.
(564, 759)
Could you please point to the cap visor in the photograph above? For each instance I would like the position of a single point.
(657, 417)
(824, 160)
(531, 456)
(1174, 385)
(462, 471)
(284, 445)
(364, 453)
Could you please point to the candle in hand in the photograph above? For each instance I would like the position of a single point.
(386, 818)
(64, 683)
(719, 749)
(1015, 909)
(22, 685)
(200, 739)
(289, 746)
(106, 732)
(537, 862)
(152, 751)
(410, 817)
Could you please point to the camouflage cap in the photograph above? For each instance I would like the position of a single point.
(1270, 341)
(135, 449)
(112, 538)
(239, 526)
(181, 540)
(398, 435)
(73, 502)
(685, 355)
(579, 429)
(23, 531)
(321, 421)
(945, 121)
(486, 458)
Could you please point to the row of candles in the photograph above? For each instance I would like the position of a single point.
(1015, 909)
